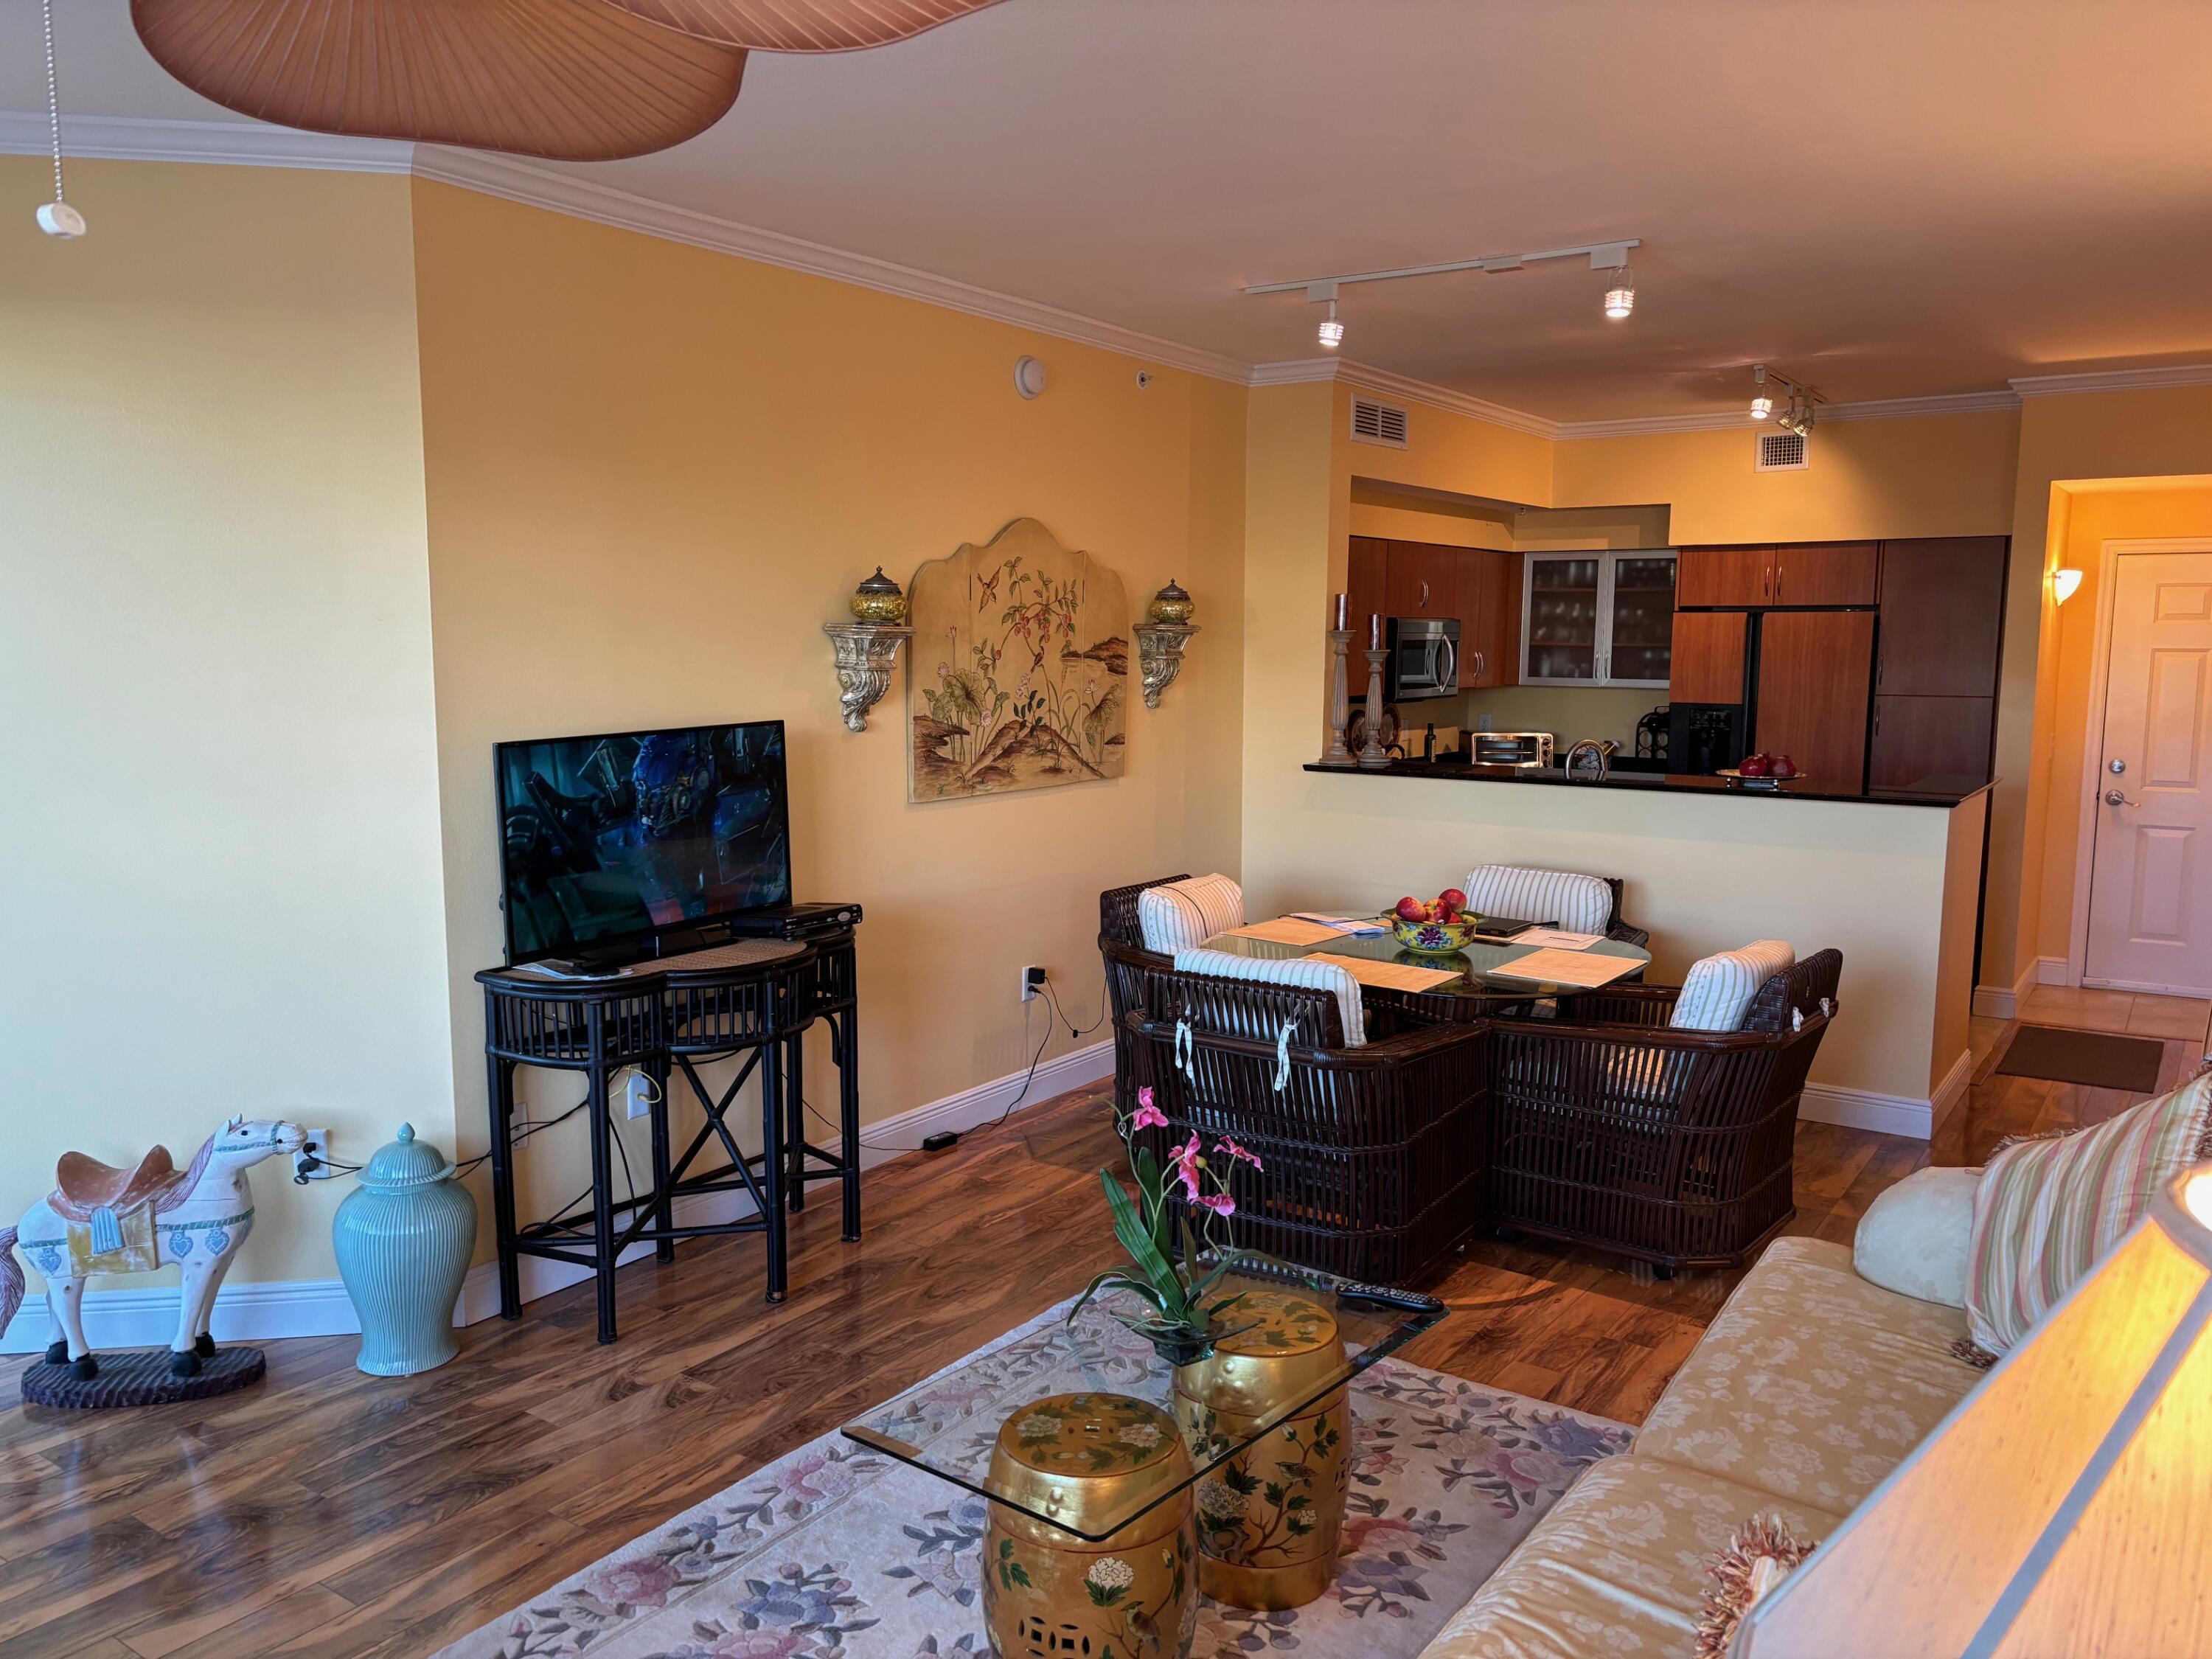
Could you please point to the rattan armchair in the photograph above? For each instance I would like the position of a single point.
(1626, 933)
(1119, 937)
(1372, 1154)
(1610, 1128)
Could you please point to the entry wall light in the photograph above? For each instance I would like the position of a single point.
(2063, 582)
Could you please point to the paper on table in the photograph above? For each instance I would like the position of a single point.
(1288, 930)
(1566, 968)
(1359, 926)
(1389, 976)
(1556, 938)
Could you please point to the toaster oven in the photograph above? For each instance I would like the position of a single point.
(1510, 748)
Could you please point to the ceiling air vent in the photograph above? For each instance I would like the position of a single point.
(1378, 424)
(1780, 452)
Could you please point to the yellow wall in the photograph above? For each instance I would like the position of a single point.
(654, 472)
(221, 812)
(2093, 516)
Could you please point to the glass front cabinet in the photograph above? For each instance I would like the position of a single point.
(1598, 618)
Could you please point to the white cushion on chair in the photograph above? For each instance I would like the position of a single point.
(1301, 971)
(1717, 991)
(1179, 913)
(1559, 898)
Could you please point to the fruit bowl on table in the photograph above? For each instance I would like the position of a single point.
(1435, 938)
(1741, 779)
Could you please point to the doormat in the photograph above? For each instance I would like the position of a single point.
(2093, 1058)
(834, 1552)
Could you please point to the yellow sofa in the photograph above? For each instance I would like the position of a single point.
(1810, 1386)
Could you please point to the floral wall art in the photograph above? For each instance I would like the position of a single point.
(1020, 668)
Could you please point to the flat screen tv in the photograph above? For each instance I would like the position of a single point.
(607, 841)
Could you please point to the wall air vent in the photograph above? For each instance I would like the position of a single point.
(1781, 452)
(1374, 423)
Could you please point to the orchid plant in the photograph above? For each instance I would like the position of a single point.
(1176, 1315)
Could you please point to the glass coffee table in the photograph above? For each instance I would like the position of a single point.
(1483, 975)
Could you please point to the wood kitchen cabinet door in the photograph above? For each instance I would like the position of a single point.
(1816, 677)
(1931, 742)
(1489, 586)
(1824, 573)
(1708, 665)
(1942, 614)
(1365, 577)
(1422, 581)
(1740, 576)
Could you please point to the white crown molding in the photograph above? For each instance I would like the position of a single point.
(1300, 371)
(2114, 379)
(1637, 426)
(1721, 420)
(226, 143)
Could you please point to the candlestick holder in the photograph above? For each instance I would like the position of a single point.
(1340, 698)
(1373, 755)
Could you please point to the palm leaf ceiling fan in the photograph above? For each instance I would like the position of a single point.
(564, 80)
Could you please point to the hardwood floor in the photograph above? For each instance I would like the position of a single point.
(327, 1513)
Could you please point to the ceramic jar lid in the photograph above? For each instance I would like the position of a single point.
(405, 1163)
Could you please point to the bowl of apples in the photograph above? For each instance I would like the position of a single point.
(1440, 927)
(1762, 771)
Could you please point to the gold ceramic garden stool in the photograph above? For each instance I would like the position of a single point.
(1269, 1517)
(1081, 1459)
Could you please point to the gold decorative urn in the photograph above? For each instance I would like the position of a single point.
(1269, 1518)
(1081, 1459)
(878, 599)
(1172, 604)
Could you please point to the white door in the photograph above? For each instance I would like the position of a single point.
(2150, 895)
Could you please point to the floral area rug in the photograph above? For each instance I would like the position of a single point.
(838, 1552)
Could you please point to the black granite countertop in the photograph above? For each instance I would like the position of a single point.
(1924, 792)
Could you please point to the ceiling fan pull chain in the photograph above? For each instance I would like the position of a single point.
(56, 217)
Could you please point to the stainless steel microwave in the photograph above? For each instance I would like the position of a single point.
(1424, 659)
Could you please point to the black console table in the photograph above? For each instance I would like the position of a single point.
(751, 1001)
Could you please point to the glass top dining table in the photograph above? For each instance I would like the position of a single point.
(1482, 972)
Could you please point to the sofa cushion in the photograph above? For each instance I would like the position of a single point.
(1580, 904)
(1618, 1568)
(1301, 971)
(1914, 1238)
(1717, 991)
(2047, 1210)
(1176, 914)
(1812, 1384)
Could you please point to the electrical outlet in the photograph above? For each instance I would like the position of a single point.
(310, 1162)
(1032, 983)
(637, 1090)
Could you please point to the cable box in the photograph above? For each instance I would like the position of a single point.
(792, 921)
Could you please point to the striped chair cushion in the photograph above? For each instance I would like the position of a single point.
(1717, 992)
(1302, 971)
(2047, 1210)
(1177, 914)
(1581, 904)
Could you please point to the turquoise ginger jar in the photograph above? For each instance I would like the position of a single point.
(404, 1237)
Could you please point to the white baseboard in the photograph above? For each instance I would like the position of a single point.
(2053, 970)
(2002, 1001)
(1862, 1109)
(145, 1315)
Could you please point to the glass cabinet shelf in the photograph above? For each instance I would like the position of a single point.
(1599, 618)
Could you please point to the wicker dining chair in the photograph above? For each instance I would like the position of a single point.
(1120, 934)
(1371, 1154)
(1612, 1129)
(1626, 933)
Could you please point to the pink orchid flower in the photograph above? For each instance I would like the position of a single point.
(1186, 1162)
(1225, 1144)
(1147, 1115)
(1219, 1203)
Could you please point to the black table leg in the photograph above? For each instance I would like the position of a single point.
(794, 1120)
(772, 1166)
(664, 1210)
(603, 1200)
(500, 1079)
(847, 1053)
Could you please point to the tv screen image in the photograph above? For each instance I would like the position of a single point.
(610, 837)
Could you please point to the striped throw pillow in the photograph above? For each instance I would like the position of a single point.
(1559, 898)
(1302, 971)
(2047, 1210)
(1717, 991)
(1178, 914)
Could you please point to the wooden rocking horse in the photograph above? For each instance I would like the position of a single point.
(100, 1219)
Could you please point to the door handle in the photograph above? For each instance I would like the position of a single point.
(1424, 596)
(2115, 797)
(1777, 584)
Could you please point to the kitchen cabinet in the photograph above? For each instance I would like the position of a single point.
(1708, 656)
(1920, 740)
(1365, 574)
(1824, 573)
(1815, 679)
(1422, 580)
(1603, 617)
(1489, 586)
(1739, 576)
(1942, 614)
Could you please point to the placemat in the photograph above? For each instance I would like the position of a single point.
(1579, 967)
(1288, 930)
(1387, 975)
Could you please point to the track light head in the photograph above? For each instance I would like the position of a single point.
(1621, 295)
(1331, 332)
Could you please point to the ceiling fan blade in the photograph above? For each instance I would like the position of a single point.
(802, 25)
(565, 80)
